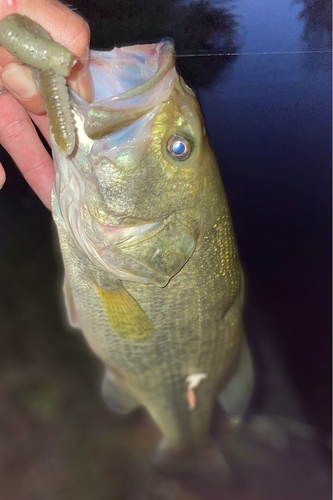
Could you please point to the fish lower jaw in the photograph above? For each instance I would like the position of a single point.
(111, 234)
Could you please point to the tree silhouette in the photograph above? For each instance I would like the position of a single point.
(317, 15)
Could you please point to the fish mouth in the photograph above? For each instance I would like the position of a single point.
(126, 72)
(129, 82)
(130, 229)
(164, 54)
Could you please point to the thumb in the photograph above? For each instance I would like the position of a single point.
(18, 79)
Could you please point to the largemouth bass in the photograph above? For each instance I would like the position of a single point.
(152, 273)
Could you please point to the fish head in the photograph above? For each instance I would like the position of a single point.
(138, 170)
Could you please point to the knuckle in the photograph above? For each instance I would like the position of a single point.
(35, 167)
(13, 129)
(82, 36)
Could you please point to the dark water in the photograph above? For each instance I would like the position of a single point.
(269, 120)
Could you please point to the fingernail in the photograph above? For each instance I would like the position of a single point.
(85, 86)
(19, 81)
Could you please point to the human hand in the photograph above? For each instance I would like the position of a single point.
(23, 103)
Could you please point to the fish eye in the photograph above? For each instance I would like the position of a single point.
(178, 147)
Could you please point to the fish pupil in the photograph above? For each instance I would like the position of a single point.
(178, 148)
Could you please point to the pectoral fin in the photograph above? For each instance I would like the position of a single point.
(127, 318)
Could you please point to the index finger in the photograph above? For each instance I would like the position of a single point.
(65, 27)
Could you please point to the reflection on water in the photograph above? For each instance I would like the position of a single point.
(269, 121)
(317, 15)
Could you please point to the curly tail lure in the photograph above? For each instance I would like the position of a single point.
(31, 44)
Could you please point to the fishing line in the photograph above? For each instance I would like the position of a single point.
(221, 54)
(213, 54)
